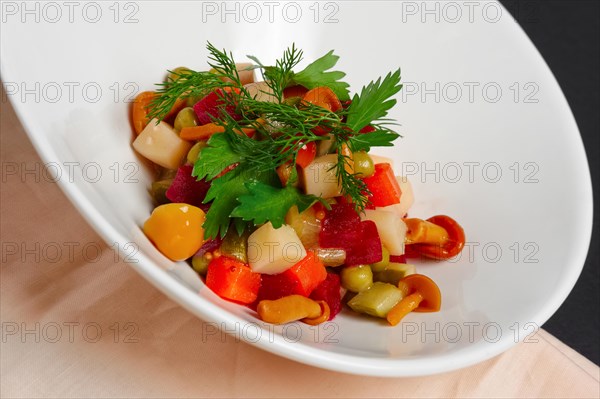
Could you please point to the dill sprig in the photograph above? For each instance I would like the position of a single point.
(279, 76)
(182, 85)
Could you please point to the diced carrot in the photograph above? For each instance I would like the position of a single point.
(309, 273)
(383, 186)
(233, 280)
(204, 132)
(139, 110)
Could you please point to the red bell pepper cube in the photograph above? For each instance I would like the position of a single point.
(300, 279)
(329, 291)
(233, 280)
(383, 186)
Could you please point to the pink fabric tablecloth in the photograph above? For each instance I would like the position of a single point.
(77, 322)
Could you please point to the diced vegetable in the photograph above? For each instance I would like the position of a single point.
(233, 280)
(213, 105)
(186, 188)
(204, 132)
(343, 229)
(176, 230)
(394, 272)
(319, 177)
(306, 225)
(383, 186)
(158, 191)
(385, 260)
(235, 245)
(244, 71)
(391, 228)
(308, 273)
(376, 301)
(261, 91)
(300, 279)
(306, 154)
(357, 278)
(161, 145)
(329, 291)
(273, 251)
(324, 97)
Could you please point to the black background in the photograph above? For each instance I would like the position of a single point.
(567, 34)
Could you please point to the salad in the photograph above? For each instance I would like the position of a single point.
(268, 189)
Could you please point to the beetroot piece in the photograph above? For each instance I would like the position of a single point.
(398, 258)
(275, 286)
(186, 189)
(212, 106)
(329, 291)
(342, 228)
(368, 249)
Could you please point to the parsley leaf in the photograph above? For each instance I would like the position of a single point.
(267, 203)
(224, 192)
(374, 101)
(378, 138)
(315, 75)
(213, 159)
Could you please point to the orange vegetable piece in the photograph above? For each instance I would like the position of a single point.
(233, 280)
(324, 97)
(139, 110)
(383, 186)
(176, 230)
(204, 132)
(422, 295)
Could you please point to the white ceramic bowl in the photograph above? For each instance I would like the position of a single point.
(505, 158)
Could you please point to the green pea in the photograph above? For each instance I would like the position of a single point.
(357, 278)
(363, 164)
(194, 152)
(200, 263)
(178, 73)
(376, 301)
(185, 118)
(385, 260)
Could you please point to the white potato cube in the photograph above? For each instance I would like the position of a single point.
(162, 145)
(391, 228)
(273, 251)
(319, 177)
(261, 92)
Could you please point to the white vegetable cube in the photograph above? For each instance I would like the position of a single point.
(162, 145)
(407, 198)
(261, 92)
(391, 228)
(273, 251)
(319, 177)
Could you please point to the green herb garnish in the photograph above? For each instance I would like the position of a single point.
(251, 192)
